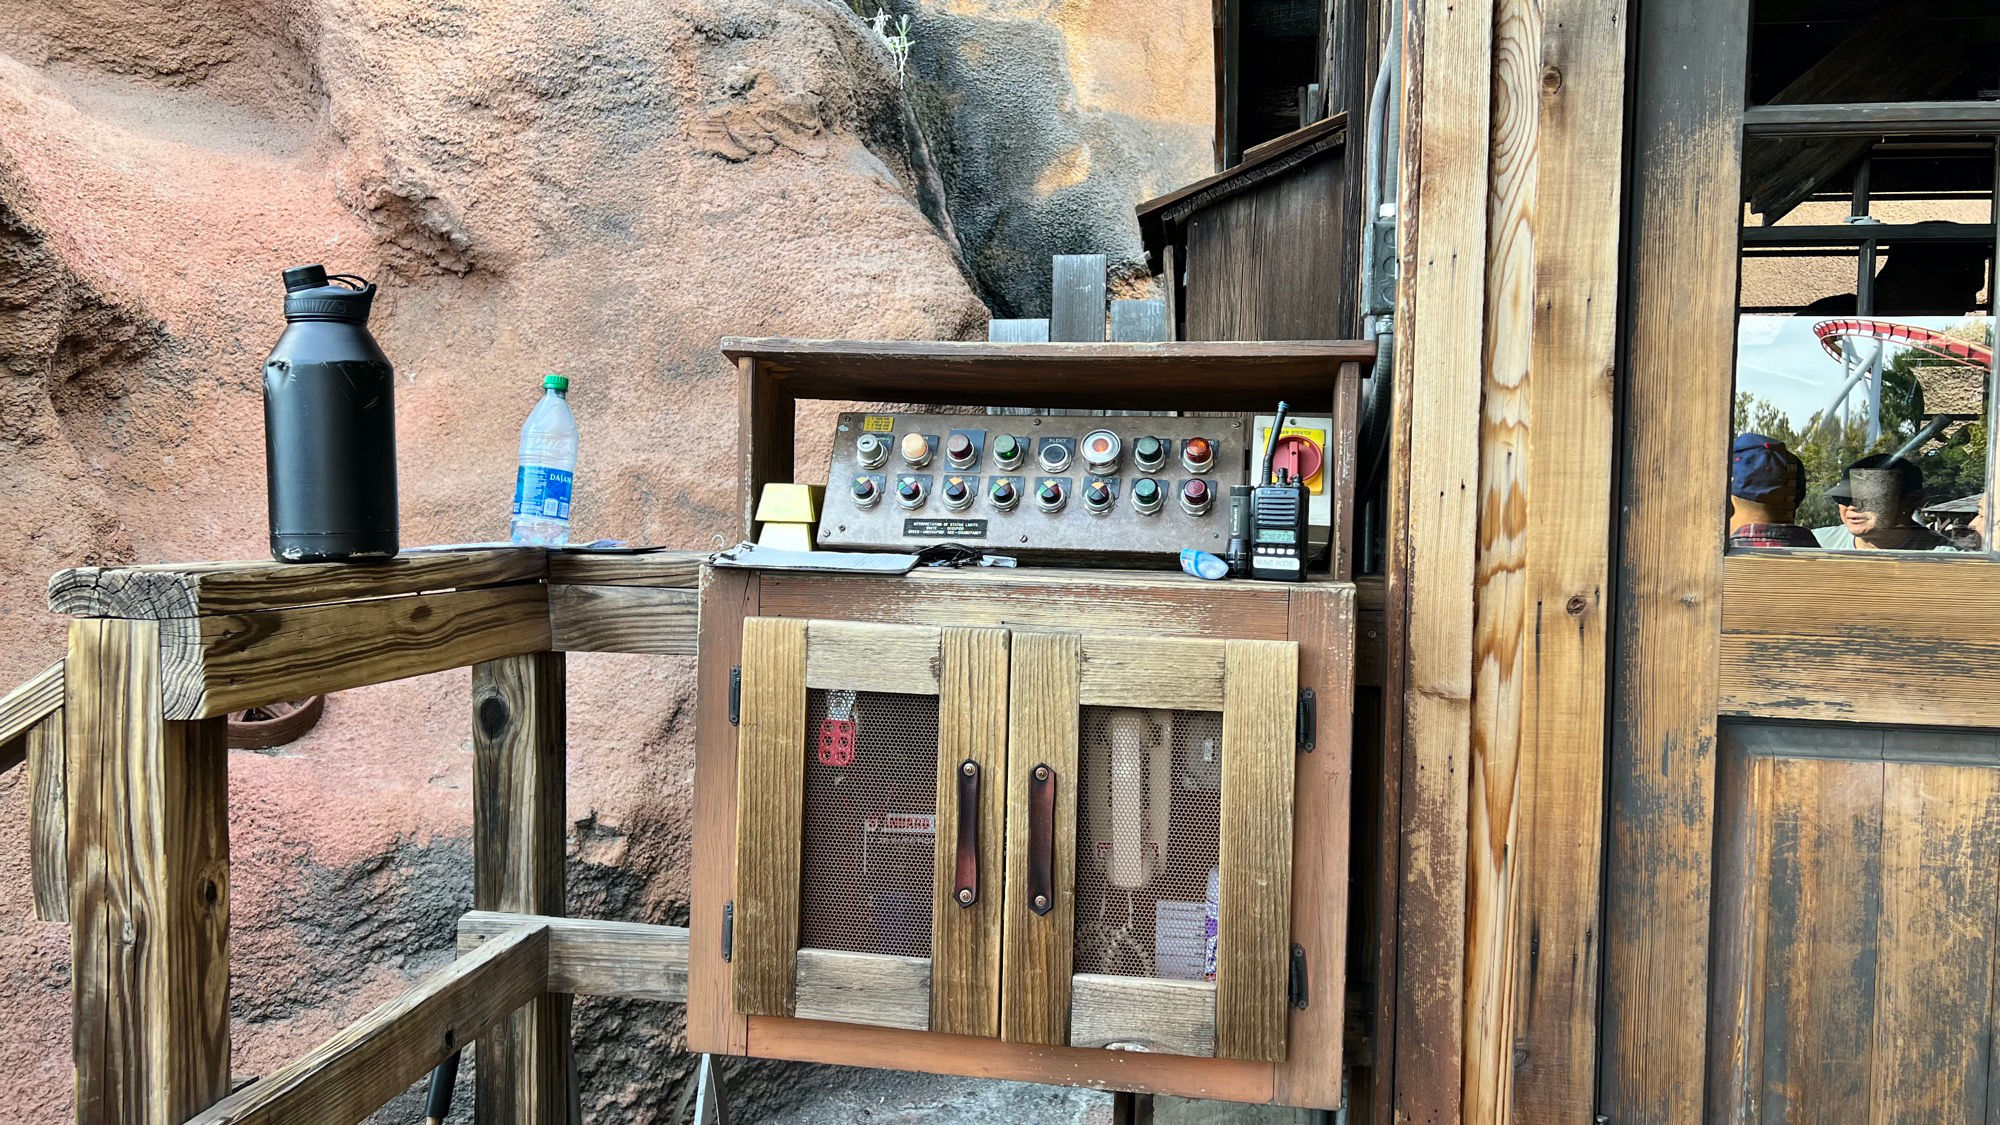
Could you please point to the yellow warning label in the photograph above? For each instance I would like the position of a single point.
(878, 424)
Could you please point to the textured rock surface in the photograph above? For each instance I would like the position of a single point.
(593, 187)
(1049, 119)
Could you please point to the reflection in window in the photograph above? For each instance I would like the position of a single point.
(1865, 348)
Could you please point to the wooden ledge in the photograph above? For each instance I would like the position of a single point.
(178, 590)
(25, 706)
(631, 960)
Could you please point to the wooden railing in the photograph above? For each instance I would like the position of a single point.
(124, 741)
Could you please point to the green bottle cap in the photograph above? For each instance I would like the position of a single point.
(556, 382)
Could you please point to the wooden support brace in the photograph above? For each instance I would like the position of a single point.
(354, 1073)
(24, 707)
(148, 843)
(628, 960)
(524, 1073)
(48, 819)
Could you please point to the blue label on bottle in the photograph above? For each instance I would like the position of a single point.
(542, 492)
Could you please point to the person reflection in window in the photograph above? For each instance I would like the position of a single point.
(1878, 497)
(1766, 483)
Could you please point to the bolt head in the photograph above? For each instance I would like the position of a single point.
(965, 896)
(968, 769)
(1041, 901)
(1041, 773)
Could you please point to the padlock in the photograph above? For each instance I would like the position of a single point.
(836, 731)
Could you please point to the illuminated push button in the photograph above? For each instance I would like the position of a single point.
(910, 492)
(1150, 454)
(1054, 456)
(873, 450)
(865, 493)
(1097, 496)
(957, 496)
(1197, 454)
(1146, 496)
(1007, 451)
(1050, 496)
(959, 450)
(1196, 497)
(1004, 495)
(1100, 451)
(917, 449)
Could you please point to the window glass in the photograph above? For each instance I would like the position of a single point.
(1864, 345)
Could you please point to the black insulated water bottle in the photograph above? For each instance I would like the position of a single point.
(329, 426)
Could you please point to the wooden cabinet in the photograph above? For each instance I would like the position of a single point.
(1049, 837)
(970, 823)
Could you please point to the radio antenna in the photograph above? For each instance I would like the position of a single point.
(1271, 443)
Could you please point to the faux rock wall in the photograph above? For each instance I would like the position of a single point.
(586, 186)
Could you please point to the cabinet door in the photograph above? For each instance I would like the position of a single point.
(1149, 841)
(863, 751)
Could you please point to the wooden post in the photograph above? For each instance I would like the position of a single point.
(523, 1075)
(148, 886)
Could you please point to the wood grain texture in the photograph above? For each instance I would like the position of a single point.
(1174, 1017)
(1549, 1052)
(770, 795)
(1937, 938)
(48, 819)
(1323, 830)
(1269, 261)
(1253, 935)
(588, 957)
(1221, 375)
(1442, 240)
(201, 589)
(1118, 604)
(148, 884)
(713, 1024)
(872, 988)
(1688, 92)
(1128, 672)
(635, 619)
(519, 831)
(964, 972)
(931, 1052)
(1803, 638)
(354, 1073)
(674, 570)
(1501, 609)
(1043, 729)
(858, 656)
(27, 705)
(1076, 301)
(223, 663)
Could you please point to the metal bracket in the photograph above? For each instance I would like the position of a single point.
(711, 1097)
(1308, 720)
(1296, 990)
(729, 929)
(736, 695)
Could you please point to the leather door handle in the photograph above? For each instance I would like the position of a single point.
(1041, 839)
(965, 884)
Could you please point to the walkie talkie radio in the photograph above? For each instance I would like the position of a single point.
(1277, 525)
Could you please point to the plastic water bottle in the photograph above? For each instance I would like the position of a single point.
(548, 465)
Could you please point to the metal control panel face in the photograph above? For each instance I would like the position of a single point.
(1134, 490)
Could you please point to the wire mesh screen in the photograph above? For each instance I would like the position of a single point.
(1147, 842)
(870, 822)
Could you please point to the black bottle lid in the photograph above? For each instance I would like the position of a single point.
(311, 294)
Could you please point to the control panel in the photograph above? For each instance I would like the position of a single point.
(1135, 489)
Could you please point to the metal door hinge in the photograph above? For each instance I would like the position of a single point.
(1308, 719)
(736, 695)
(729, 929)
(1296, 991)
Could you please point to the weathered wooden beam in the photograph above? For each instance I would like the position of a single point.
(637, 619)
(200, 589)
(148, 843)
(25, 706)
(518, 849)
(713, 1023)
(1872, 118)
(221, 663)
(679, 570)
(1038, 949)
(627, 960)
(48, 819)
(1676, 382)
(878, 989)
(963, 982)
(770, 796)
(1176, 1017)
(354, 1073)
(1253, 939)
